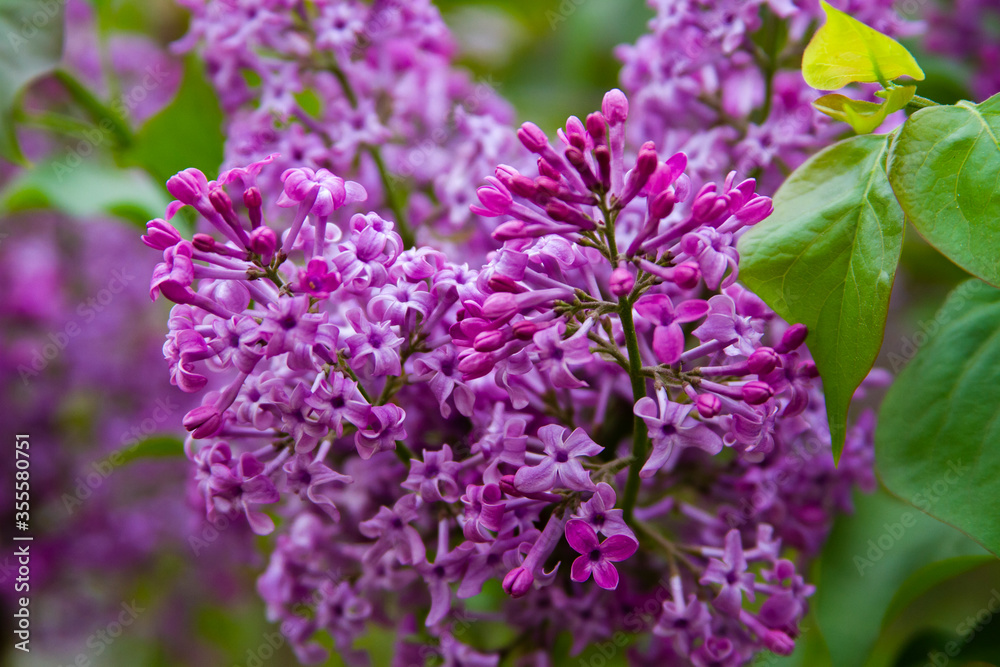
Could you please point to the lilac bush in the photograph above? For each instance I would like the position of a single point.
(412, 427)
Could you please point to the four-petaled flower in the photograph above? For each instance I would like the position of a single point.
(560, 465)
(597, 557)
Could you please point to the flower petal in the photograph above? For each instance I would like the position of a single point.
(581, 536)
(618, 548)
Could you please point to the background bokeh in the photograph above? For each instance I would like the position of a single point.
(125, 572)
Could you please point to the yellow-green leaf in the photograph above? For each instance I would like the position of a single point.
(864, 117)
(845, 50)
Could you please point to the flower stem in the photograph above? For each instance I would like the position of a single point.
(392, 197)
(640, 443)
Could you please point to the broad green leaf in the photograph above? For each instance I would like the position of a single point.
(187, 133)
(85, 190)
(826, 258)
(868, 557)
(845, 50)
(945, 169)
(864, 117)
(938, 438)
(31, 41)
(927, 578)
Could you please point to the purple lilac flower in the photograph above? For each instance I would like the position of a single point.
(421, 427)
(597, 557)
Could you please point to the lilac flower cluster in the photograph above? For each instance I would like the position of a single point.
(413, 428)
(365, 90)
(721, 81)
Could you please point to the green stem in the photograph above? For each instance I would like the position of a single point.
(392, 196)
(640, 443)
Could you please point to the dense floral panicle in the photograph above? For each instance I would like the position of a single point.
(704, 81)
(422, 427)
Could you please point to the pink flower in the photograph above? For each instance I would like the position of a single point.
(597, 557)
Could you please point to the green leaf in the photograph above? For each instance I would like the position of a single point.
(826, 258)
(31, 41)
(866, 560)
(187, 133)
(153, 447)
(938, 438)
(864, 117)
(945, 169)
(85, 190)
(929, 577)
(845, 50)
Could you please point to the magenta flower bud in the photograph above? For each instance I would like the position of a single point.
(597, 127)
(510, 230)
(203, 242)
(263, 241)
(252, 198)
(615, 107)
(221, 202)
(532, 137)
(160, 235)
(488, 341)
(708, 205)
(575, 157)
(793, 337)
(253, 201)
(603, 158)
(687, 275)
(763, 361)
(507, 485)
(576, 133)
(547, 169)
(522, 186)
(495, 202)
(755, 211)
(518, 582)
(645, 165)
(547, 184)
(757, 392)
(476, 365)
(622, 281)
(500, 306)
(203, 422)
(709, 405)
(525, 330)
(662, 204)
(188, 186)
(500, 283)
(563, 212)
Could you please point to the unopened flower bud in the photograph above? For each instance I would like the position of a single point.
(622, 281)
(263, 241)
(763, 361)
(709, 405)
(794, 336)
(615, 107)
(757, 392)
(687, 275)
